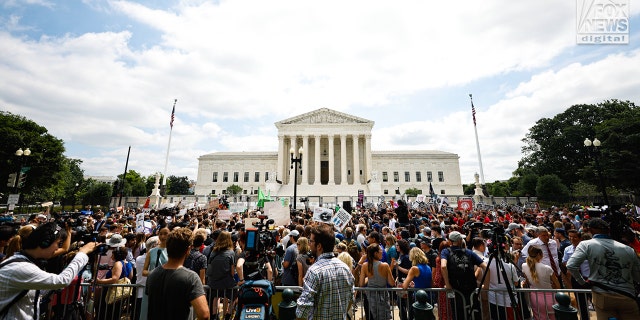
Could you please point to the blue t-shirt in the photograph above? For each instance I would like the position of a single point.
(392, 253)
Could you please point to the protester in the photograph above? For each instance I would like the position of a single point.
(540, 276)
(120, 269)
(576, 237)
(22, 274)
(220, 273)
(376, 274)
(196, 261)
(155, 257)
(328, 285)
(141, 313)
(419, 275)
(457, 265)
(289, 265)
(172, 289)
(305, 259)
(613, 267)
(500, 304)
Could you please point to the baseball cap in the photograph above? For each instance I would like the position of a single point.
(455, 236)
(512, 226)
(294, 233)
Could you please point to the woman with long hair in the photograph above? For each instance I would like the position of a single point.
(419, 274)
(540, 276)
(220, 275)
(304, 259)
(376, 274)
(402, 269)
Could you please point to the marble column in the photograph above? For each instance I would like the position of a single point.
(280, 168)
(367, 157)
(316, 178)
(332, 158)
(305, 160)
(294, 147)
(356, 160)
(343, 159)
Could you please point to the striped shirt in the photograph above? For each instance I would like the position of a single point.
(328, 290)
(18, 276)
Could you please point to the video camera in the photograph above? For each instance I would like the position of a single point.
(260, 239)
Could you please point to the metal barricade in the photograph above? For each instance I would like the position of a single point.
(386, 303)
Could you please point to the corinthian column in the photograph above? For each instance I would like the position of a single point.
(316, 178)
(332, 165)
(356, 160)
(305, 160)
(343, 159)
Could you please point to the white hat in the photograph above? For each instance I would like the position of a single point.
(116, 241)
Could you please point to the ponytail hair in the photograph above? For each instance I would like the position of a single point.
(15, 243)
(372, 249)
(534, 252)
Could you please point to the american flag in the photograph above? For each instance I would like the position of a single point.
(173, 113)
(473, 113)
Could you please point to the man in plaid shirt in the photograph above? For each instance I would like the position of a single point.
(328, 284)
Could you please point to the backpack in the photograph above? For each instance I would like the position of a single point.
(460, 269)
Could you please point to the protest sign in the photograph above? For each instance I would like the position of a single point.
(341, 219)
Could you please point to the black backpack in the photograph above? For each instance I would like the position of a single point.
(460, 269)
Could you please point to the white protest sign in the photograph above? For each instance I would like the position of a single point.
(341, 219)
(224, 214)
(140, 221)
(237, 206)
(322, 214)
(279, 213)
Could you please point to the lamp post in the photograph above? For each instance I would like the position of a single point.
(594, 152)
(295, 163)
(23, 170)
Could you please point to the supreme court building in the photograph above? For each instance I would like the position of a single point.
(337, 160)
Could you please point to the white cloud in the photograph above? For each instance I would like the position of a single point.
(254, 62)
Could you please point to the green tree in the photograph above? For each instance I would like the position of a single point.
(179, 185)
(412, 192)
(234, 190)
(95, 193)
(550, 188)
(135, 185)
(528, 184)
(468, 189)
(555, 145)
(44, 162)
(499, 189)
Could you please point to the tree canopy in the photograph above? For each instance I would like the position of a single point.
(555, 146)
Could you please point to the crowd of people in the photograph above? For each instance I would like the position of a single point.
(391, 246)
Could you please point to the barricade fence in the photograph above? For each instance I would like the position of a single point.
(368, 303)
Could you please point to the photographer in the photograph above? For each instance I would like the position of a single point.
(22, 276)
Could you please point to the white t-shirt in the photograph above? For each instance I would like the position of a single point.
(544, 276)
(501, 298)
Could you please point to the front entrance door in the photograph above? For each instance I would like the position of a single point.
(324, 172)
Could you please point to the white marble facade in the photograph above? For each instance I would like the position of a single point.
(337, 160)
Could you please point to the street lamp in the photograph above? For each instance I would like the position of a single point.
(594, 152)
(23, 170)
(295, 163)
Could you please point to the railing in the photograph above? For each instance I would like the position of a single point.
(369, 303)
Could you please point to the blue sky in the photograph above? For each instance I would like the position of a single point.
(102, 75)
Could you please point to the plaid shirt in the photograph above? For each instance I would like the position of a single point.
(328, 290)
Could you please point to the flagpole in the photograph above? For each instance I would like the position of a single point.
(166, 159)
(475, 128)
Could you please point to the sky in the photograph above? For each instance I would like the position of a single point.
(102, 75)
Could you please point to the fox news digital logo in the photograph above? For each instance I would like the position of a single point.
(602, 21)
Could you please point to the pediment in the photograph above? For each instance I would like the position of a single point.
(322, 116)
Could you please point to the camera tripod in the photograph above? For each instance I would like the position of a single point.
(498, 255)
